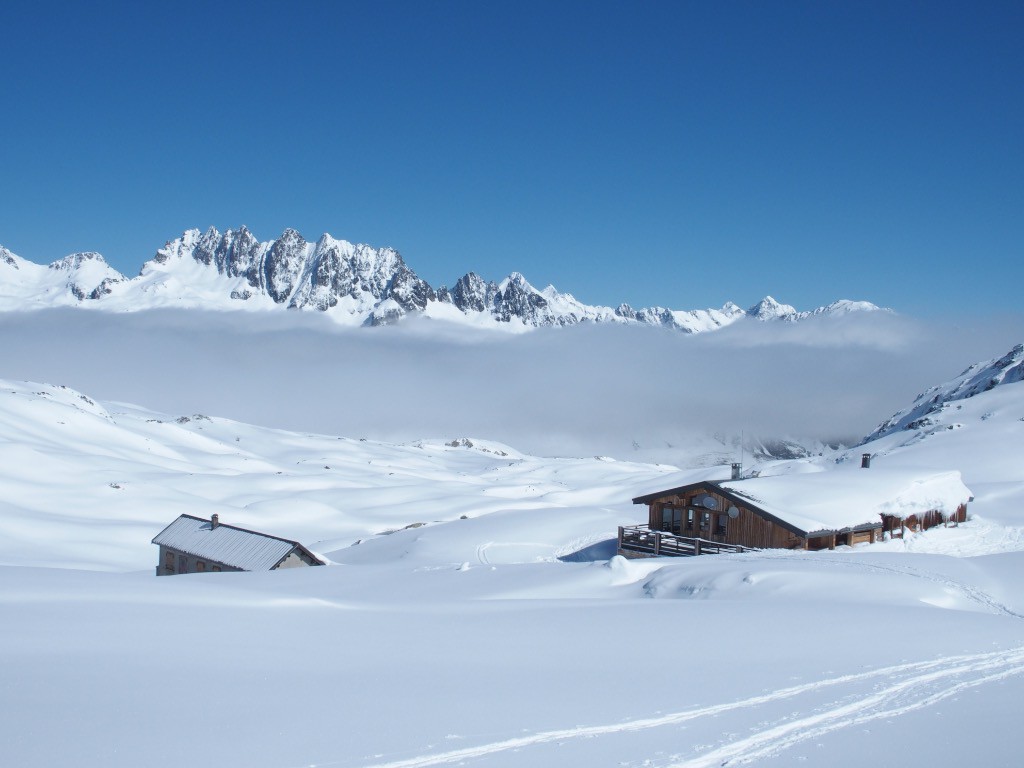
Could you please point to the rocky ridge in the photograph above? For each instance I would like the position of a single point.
(355, 284)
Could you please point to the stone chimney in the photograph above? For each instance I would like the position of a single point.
(214, 521)
(865, 461)
(736, 470)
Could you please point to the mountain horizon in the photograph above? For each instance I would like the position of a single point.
(357, 284)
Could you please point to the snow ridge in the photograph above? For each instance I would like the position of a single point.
(354, 284)
(977, 378)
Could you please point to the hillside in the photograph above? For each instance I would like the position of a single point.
(471, 600)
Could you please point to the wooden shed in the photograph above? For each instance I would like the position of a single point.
(194, 545)
(811, 510)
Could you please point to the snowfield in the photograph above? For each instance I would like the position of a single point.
(473, 612)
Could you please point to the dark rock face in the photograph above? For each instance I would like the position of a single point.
(472, 294)
(282, 266)
(519, 300)
(104, 288)
(410, 292)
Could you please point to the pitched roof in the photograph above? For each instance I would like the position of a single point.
(237, 547)
(840, 498)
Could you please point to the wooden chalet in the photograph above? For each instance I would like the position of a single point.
(194, 545)
(815, 510)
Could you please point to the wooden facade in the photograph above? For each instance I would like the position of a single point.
(706, 512)
(897, 526)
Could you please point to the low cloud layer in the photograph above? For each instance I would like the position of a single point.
(583, 390)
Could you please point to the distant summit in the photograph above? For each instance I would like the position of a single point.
(353, 284)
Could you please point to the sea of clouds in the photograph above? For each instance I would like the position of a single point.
(592, 389)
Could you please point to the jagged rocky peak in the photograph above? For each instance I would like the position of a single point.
(408, 290)
(237, 254)
(282, 266)
(769, 309)
(517, 298)
(625, 311)
(361, 284)
(78, 260)
(472, 294)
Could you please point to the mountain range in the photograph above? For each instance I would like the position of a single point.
(354, 284)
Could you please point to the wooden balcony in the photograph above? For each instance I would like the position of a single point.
(641, 539)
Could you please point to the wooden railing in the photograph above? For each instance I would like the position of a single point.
(640, 538)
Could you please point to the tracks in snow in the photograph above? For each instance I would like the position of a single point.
(968, 591)
(836, 703)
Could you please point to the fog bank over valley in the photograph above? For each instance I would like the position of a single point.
(627, 392)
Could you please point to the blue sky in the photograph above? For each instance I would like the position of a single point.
(671, 153)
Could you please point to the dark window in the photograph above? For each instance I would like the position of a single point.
(689, 519)
(169, 562)
(216, 569)
(200, 566)
(671, 519)
(705, 520)
(720, 527)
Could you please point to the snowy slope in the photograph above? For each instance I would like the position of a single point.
(353, 284)
(973, 423)
(926, 409)
(498, 632)
(87, 485)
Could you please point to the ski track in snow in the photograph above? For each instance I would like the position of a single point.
(974, 594)
(906, 688)
(968, 591)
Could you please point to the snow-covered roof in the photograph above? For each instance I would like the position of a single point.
(849, 496)
(842, 497)
(237, 547)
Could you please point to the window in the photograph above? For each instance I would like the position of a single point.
(216, 569)
(200, 566)
(705, 520)
(169, 562)
(720, 526)
(689, 519)
(671, 518)
(182, 564)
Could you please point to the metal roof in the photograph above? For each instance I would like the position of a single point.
(237, 547)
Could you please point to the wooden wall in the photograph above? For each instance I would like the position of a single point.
(748, 529)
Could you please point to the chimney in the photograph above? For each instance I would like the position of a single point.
(214, 521)
(736, 471)
(865, 460)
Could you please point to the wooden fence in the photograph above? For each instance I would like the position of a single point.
(640, 538)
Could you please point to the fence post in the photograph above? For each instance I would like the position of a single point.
(696, 546)
(657, 543)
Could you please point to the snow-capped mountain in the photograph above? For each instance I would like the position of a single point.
(923, 415)
(77, 278)
(354, 284)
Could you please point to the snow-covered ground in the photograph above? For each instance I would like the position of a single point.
(481, 619)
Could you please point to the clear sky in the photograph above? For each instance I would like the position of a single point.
(671, 153)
